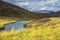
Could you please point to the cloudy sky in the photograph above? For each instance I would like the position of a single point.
(34, 5)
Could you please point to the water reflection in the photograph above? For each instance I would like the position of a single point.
(16, 26)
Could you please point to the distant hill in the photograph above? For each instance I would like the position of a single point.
(49, 13)
(44, 11)
(10, 10)
(56, 14)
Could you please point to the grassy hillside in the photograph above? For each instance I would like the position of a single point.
(47, 31)
(45, 22)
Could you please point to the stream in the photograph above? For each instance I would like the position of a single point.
(16, 26)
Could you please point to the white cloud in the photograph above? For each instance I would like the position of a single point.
(44, 8)
(41, 4)
(22, 3)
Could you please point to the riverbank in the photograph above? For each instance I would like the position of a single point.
(6, 21)
(9, 20)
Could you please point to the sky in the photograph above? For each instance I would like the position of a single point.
(35, 5)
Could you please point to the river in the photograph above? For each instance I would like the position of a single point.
(19, 25)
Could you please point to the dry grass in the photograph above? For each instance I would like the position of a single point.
(46, 31)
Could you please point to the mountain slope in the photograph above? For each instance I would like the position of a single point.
(56, 14)
(10, 10)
